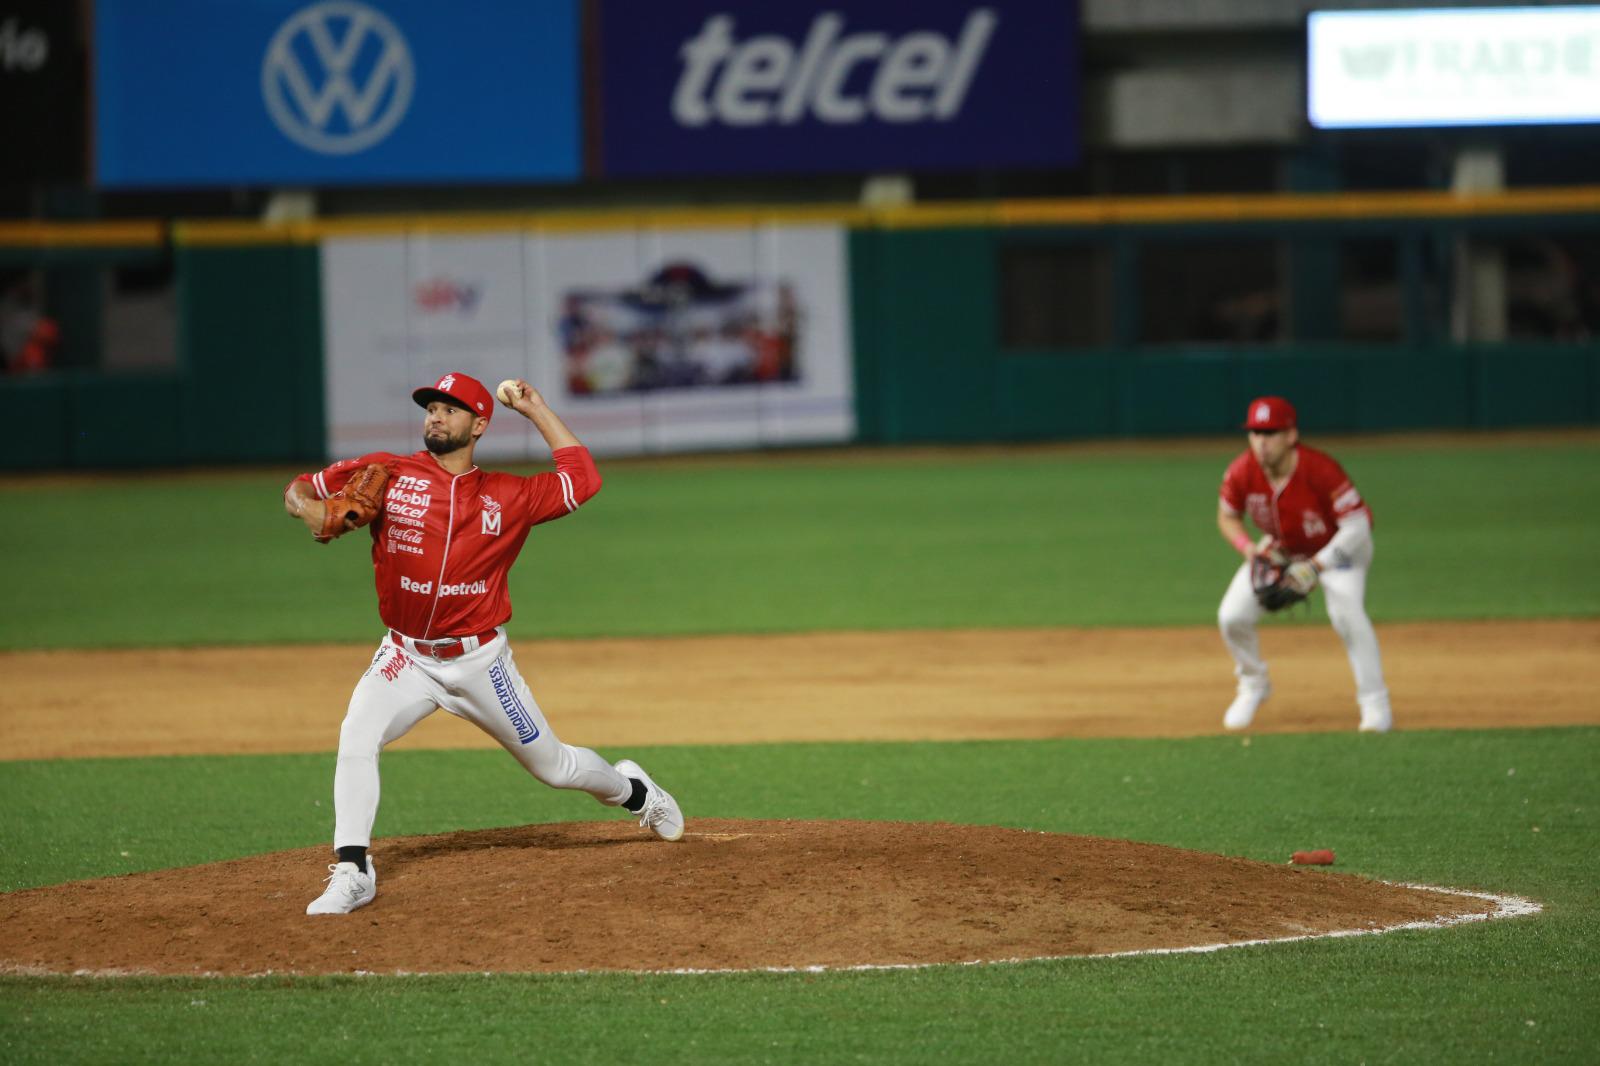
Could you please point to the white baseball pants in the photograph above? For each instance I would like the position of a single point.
(400, 689)
(1345, 592)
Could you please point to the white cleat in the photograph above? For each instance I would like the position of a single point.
(348, 888)
(660, 812)
(1376, 716)
(1242, 711)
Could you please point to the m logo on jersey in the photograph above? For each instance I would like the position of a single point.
(337, 77)
(1313, 525)
(491, 515)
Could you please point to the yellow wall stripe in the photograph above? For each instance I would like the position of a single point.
(1087, 211)
(136, 234)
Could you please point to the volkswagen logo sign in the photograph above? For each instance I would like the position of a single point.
(337, 77)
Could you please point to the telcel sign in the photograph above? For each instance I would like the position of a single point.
(1453, 67)
(702, 87)
(765, 78)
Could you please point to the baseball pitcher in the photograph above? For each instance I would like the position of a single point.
(1317, 531)
(444, 536)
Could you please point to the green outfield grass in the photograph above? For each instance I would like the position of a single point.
(1510, 811)
(1033, 538)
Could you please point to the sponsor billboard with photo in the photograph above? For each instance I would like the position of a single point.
(650, 340)
(195, 92)
(733, 86)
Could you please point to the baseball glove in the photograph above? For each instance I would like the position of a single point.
(355, 505)
(1279, 582)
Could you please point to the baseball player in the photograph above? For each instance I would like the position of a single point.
(444, 535)
(1311, 514)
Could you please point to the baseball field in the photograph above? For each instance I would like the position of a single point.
(924, 710)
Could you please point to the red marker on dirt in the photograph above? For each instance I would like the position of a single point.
(1320, 857)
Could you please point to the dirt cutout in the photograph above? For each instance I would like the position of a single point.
(732, 895)
(926, 685)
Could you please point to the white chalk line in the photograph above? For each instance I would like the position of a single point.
(1506, 906)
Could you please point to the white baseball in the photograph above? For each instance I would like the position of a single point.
(509, 392)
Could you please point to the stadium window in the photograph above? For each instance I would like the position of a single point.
(1211, 292)
(1552, 285)
(140, 326)
(1371, 298)
(1055, 296)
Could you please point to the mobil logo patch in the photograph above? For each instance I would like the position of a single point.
(724, 87)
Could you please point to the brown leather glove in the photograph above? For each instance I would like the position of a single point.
(355, 505)
(1279, 582)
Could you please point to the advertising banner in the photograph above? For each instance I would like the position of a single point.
(42, 84)
(195, 92)
(736, 86)
(650, 340)
(1453, 67)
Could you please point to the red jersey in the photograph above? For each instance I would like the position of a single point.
(444, 543)
(1303, 514)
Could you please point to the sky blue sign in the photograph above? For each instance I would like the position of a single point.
(203, 92)
(739, 86)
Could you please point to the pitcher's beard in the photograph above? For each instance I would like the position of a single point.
(444, 445)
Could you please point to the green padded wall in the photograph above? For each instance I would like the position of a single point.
(250, 344)
(125, 420)
(930, 366)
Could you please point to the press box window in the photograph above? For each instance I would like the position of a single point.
(1055, 296)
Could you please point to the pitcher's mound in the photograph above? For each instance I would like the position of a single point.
(731, 895)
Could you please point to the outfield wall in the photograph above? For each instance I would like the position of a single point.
(933, 366)
(918, 328)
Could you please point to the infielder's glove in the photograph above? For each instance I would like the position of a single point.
(355, 505)
(1278, 582)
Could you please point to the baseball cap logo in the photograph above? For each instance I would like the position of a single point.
(1263, 412)
(447, 383)
(337, 77)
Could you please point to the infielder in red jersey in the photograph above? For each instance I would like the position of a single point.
(442, 545)
(1308, 510)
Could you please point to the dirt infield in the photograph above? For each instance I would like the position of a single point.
(750, 894)
(733, 895)
(958, 684)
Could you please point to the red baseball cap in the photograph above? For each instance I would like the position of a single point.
(1269, 412)
(459, 389)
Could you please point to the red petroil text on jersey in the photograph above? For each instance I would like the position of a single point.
(1304, 512)
(444, 543)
